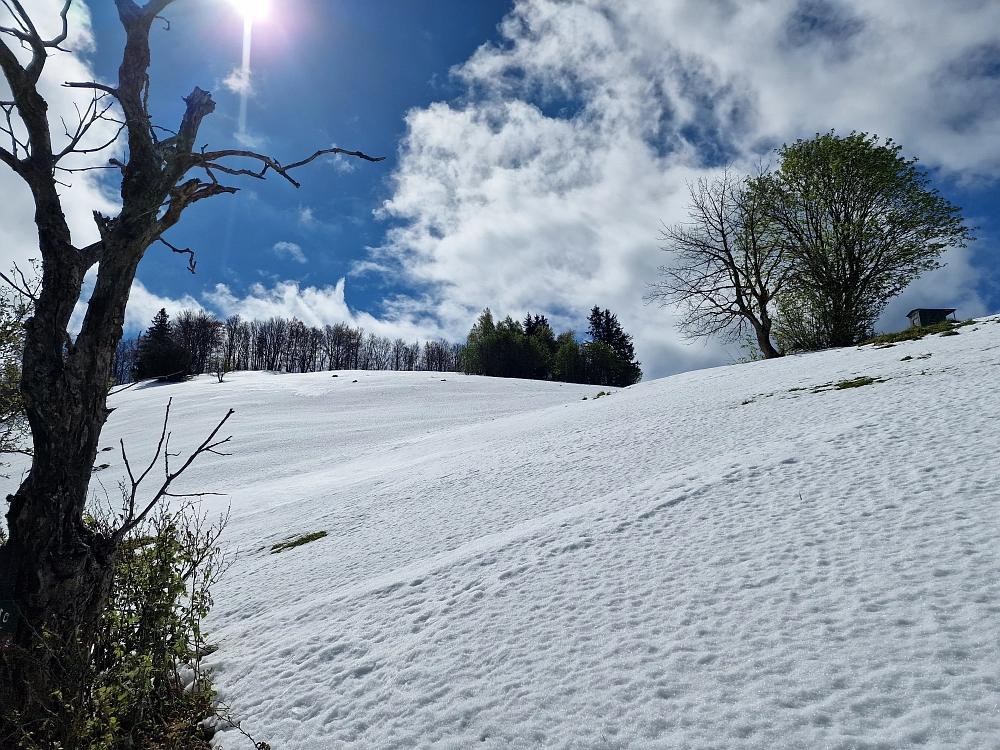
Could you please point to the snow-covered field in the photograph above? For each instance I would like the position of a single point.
(721, 559)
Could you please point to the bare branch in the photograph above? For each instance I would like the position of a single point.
(92, 85)
(10, 160)
(211, 159)
(131, 519)
(25, 288)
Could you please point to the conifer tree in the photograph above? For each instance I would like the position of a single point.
(159, 355)
(617, 365)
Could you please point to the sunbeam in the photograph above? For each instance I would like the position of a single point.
(252, 10)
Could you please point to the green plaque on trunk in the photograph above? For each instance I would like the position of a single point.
(9, 614)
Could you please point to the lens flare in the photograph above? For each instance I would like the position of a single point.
(252, 9)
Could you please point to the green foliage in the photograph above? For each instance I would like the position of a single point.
(297, 541)
(860, 222)
(147, 689)
(504, 350)
(14, 430)
(856, 382)
(140, 686)
(509, 349)
(800, 323)
(567, 365)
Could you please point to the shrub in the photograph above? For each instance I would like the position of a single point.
(143, 687)
(149, 689)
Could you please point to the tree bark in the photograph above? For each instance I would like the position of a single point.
(64, 569)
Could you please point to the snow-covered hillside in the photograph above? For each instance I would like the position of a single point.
(729, 558)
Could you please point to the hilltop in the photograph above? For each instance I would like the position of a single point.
(790, 553)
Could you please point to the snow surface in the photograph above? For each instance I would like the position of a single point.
(711, 560)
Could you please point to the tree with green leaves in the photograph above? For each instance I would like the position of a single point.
(858, 222)
(14, 432)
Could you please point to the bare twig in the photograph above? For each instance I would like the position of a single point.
(191, 261)
(92, 85)
(130, 518)
(211, 158)
(25, 288)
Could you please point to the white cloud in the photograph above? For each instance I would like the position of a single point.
(84, 192)
(341, 163)
(142, 306)
(543, 188)
(239, 82)
(290, 250)
(316, 306)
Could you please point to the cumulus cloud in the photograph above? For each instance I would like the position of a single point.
(84, 192)
(318, 306)
(290, 250)
(142, 306)
(341, 163)
(542, 188)
(239, 82)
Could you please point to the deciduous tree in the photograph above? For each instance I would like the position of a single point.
(727, 264)
(859, 222)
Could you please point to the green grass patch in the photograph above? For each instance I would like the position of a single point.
(915, 333)
(297, 541)
(856, 382)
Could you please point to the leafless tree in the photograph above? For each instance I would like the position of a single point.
(200, 333)
(237, 343)
(124, 361)
(63, 567)
(727, 263)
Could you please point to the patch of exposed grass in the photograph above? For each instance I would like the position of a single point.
(856, 382)
(297, 541)
(915, 333)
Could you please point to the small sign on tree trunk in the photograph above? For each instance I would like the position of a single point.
(9, 615)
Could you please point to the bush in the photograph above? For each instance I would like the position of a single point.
(143, 686)
(149, 688)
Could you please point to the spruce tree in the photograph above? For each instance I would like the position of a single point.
(620, 369)
(159, 355)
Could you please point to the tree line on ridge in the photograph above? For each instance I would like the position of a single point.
(197, 342)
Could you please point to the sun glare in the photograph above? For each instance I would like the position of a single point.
(252, 9)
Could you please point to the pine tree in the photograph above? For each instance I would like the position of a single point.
(605, 329)
(159, 355)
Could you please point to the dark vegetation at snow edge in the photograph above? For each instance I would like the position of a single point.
(511, 349)
(197, 342)
(915, 333)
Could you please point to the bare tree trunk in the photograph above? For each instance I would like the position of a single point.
(64, 569)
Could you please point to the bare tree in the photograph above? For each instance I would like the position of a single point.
(727, 264)
(63, 567)
(200, 333)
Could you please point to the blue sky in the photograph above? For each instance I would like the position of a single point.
(533, 148)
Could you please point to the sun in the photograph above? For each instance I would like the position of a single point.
(252, 9)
